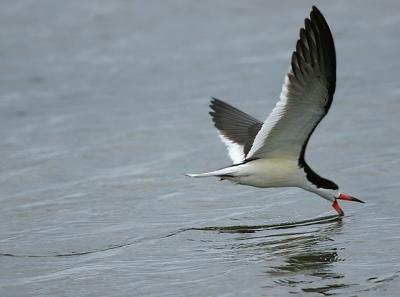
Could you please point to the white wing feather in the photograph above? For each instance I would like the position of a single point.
(235, 151)
(306, 95)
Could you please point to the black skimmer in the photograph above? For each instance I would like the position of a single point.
(272, 154)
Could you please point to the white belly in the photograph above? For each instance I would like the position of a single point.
(265, 173)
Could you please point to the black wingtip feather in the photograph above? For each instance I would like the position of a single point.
(315, 48)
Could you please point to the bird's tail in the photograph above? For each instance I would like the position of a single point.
(224, 172)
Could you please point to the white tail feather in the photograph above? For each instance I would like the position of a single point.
(223, 171)
(199, 174)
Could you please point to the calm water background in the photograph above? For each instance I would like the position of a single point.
(103, 107)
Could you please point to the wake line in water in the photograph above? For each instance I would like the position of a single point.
(255, 228)
(71, 254)
(286, 225)
(224, 229)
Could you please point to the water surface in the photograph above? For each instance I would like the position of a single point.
(103, 107)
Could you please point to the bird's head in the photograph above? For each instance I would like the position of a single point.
(342, 196)
(331, 192)
(334, 195)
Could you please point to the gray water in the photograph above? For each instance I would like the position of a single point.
(103, 107)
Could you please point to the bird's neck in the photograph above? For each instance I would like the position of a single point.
(316, 180)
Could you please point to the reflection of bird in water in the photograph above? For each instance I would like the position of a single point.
(307, 264)
(307, 256)
(272, 154)
(297, 254)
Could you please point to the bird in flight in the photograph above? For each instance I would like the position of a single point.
(272, 154)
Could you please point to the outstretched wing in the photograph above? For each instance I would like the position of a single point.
(306, 95)
(236, 128)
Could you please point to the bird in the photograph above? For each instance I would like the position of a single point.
(272, 153)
